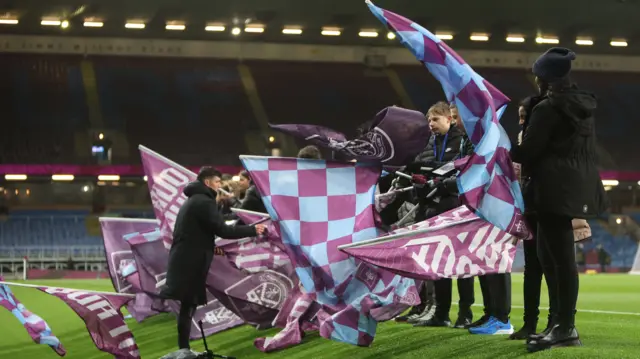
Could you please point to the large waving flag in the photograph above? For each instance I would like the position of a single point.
(122, 264)
(487, 181)
(454, 244)
(317, 206)
(394, 137)
(166, 180)
(37, 328)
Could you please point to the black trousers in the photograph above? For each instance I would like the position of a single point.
(557, 256)
(187, 311)
(443, 290)
(533, 277)
(427, 295)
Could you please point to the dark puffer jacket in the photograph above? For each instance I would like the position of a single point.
(558, 151)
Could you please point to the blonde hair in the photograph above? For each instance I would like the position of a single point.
(440, 108)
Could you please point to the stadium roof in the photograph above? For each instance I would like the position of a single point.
(597, 20)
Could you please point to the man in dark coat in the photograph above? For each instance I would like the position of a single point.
(198, 223)
(559, 148)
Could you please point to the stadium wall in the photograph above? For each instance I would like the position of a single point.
(389, 55)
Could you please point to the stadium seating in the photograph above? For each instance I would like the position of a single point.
(338, 96)
(44, 229)
(44, 97)
(197, 110)
(622, 249)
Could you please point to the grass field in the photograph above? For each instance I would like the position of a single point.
(608, 321)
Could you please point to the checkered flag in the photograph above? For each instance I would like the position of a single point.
(487, 181)
(317, 206)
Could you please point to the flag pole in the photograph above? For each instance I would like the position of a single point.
(261, 214)
(128, 295)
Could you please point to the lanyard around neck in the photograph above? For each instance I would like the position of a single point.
(444, 147)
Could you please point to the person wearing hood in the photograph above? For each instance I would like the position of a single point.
(559, 150)
(198, 223)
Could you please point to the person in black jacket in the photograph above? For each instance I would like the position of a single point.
(198, 223)
(559, 147)
(533, 272)
(444, 146)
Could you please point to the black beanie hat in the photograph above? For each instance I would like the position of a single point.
(554, 64)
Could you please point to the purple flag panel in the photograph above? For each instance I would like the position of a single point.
(297, 315)
(153, 257)
(37, 328)
(101, 314)
(120, 259)
(317, 206)
(488, 182)
(258, 254)
(394, 138)
(454, 244)
(166, 180)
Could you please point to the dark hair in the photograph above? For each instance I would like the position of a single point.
(226, 177)
(208, 172)
(557, 86)
(245, 174)
(310, 152)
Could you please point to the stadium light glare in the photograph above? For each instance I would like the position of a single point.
(15, 177)
(618, 220)
(145, 178)
(62, 177)
(368, 33)
(109, 178)
(584, 41)
(254, 29)
(479, 37)
(515, 38)
(331, 31)
(236, 31)
(215, 27)
(135, 25)
(9, 21)
(391, 36)
(290, 30)
(50, 22)
(175, 26)
(235, 178)
(610, 183)
(85, 189)
(93, 24)
(64, 24)
(619, 43)
(547, 40)
(444, 36)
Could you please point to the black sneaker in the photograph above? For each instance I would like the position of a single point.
(434, 322)
(462, 323)
(425, 315)
(414, 311)
(525, 332)
(479, 322)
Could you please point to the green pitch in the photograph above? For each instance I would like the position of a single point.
(608, 321)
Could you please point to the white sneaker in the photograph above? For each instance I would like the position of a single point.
(181, 354)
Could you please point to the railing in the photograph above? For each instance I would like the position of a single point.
(57, 253)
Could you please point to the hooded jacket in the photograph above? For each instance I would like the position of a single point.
(198, 223)
(558, 151)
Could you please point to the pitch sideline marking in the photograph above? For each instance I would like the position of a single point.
(579, 310)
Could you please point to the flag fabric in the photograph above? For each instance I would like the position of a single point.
(316, 206)
(120, 260)
(394, 137)
(166, 180)
(455, 244)
(487, 182)
(37, 328)
(298, 315)
(103, 319)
